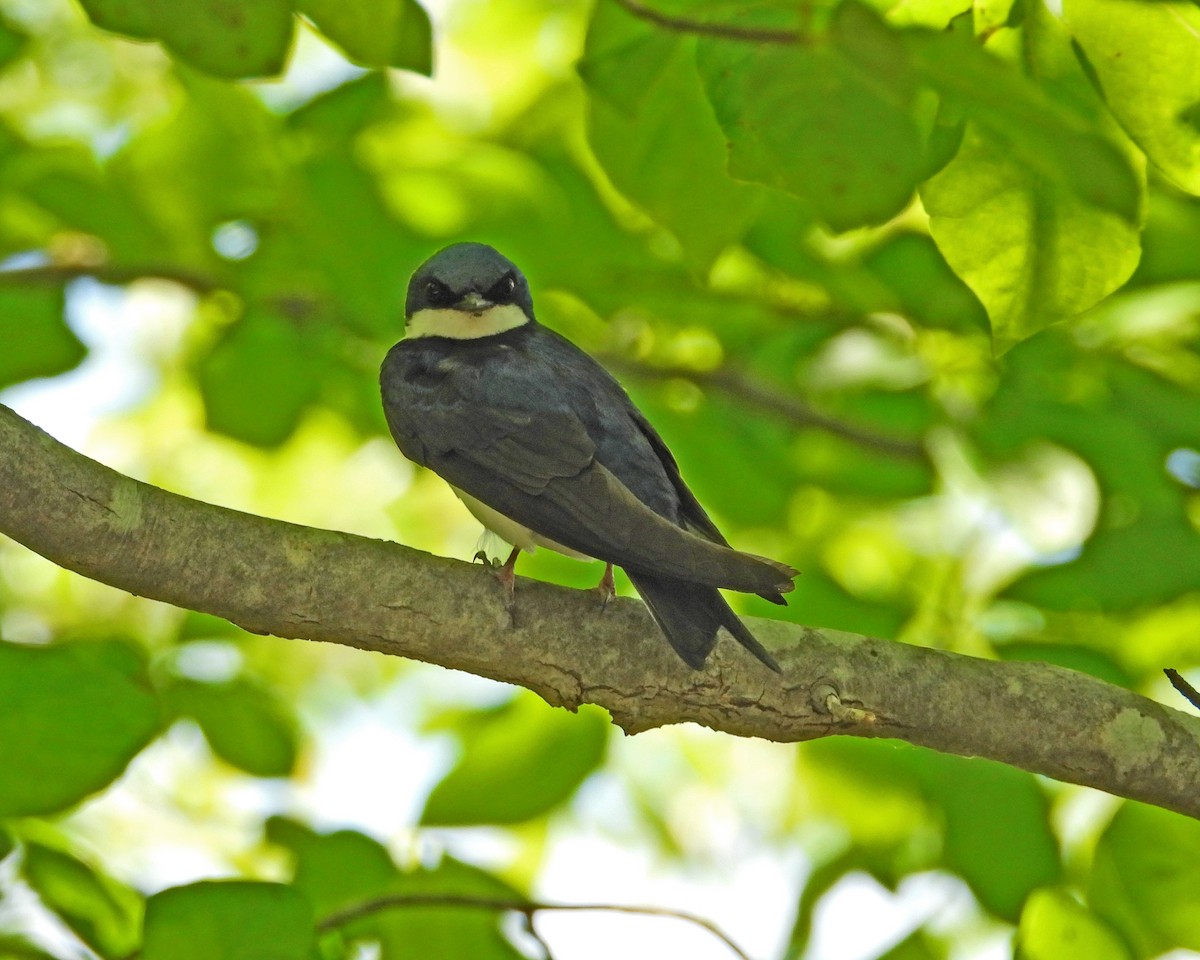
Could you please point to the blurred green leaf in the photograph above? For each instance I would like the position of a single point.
(334, 870)
(1146, 61)
(1122, 568)
(994, 819)
(259, 379)
(38, 341)
(652, 128)
(12, 43)
(7, 843)
(830, 121)
(1031, 249)
(250, 38)
(245, 725)
(343, 869)
(1055, 926)
(997, 828)
(926, 289)
(14, 947)
(522, 760)
(106, 914)
(1145, 875)
(1060, 147)
(416, 933)
(70, 725)
(378, 33)
(228, 920)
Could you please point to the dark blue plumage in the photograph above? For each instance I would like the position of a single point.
(516, 417)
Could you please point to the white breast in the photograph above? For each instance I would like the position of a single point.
(510, 531)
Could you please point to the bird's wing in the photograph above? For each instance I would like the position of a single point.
(538, 467)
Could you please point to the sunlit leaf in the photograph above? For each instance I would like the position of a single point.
(393, 33)
(1054, 926)
(105, 913)
(228, 920)
(1031, 249)
(1050, 139)
(524, 760)
(70, 724)
(250, 38)
(1146, 60)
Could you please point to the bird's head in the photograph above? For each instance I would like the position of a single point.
(467, 291)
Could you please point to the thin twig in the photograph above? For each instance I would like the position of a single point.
(109, 273)
(701, 28)
(525, 907)
(1189, 693)
(736, 384)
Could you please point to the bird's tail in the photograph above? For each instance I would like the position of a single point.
(690, 615)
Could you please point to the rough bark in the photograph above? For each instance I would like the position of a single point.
(299, 582)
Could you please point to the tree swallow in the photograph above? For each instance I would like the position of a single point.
(545, 448)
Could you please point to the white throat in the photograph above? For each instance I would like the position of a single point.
(464, 325)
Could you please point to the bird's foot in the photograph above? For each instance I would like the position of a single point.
(606, 588)
(506, 574)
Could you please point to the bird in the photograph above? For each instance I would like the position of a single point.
(545, 448)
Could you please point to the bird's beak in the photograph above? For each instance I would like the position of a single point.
(473, 303)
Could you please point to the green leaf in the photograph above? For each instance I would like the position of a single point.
(105, 913)
(14, 947)
(1055, 926)
(245, 725)
(342, 869)
(334, 870)
(376, 33)
(417, 933)
(997, 829)
(1121, 568)
(925, 288)
(7, 843)
(651, 127)
(830, 121)
(259, 379)
(1146, 60)
(1053, 139)
(70, 724)
(228, 920)
(246, 38)
(1030, 248)
(522, 760)
(38, 343)
(1145, 875)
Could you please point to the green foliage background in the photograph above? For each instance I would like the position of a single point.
(915, 298)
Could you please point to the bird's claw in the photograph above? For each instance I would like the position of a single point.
(505, 573)
(606, 588)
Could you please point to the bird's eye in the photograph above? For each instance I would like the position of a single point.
(437, 292)
(503, 289)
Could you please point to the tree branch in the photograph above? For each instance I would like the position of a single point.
(292, 581)
(527, 907)
(738, 385)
